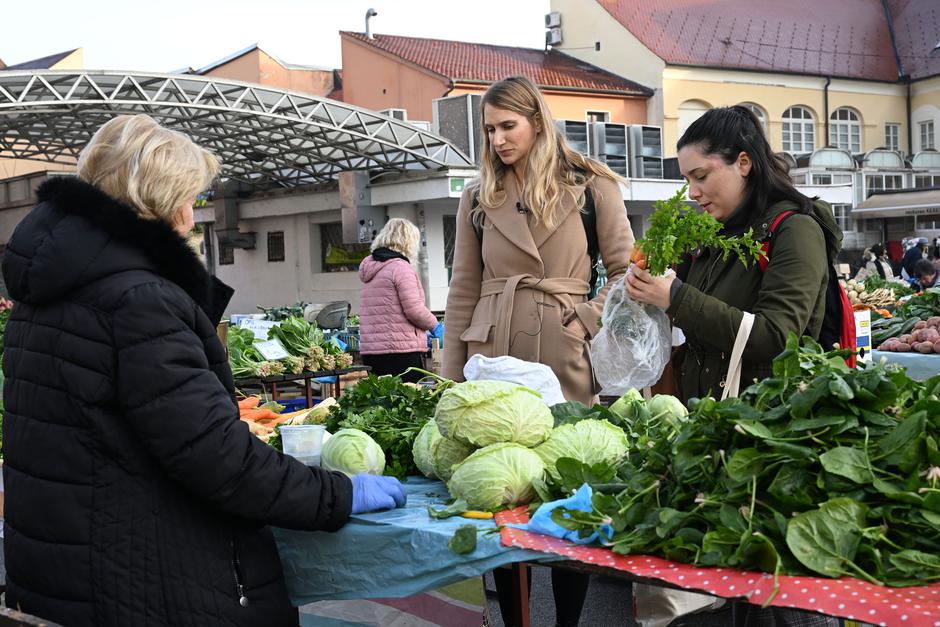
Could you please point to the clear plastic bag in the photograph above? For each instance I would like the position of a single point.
(633, 346)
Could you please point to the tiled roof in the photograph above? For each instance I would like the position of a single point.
(844, 38)
(462, 61)
(917, 31)
(44, 63)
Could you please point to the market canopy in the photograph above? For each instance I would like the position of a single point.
(264, 137)
(899, 204)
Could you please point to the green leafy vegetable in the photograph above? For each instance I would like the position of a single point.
(464, 540)
(676, 229)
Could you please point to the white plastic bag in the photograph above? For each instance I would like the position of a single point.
(634, 343)
(538, 377)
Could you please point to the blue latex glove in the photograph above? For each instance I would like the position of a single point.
(374, 492)
(541, 521)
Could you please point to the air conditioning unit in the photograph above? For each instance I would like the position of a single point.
(576, 133)
(398, 114)
(457, 118)
(646, 152)
(553, 19)
(609, 139)
(553, 37)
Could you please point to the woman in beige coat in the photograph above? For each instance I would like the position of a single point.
(520, 284)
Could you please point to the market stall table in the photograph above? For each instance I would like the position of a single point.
(306, 377)
(845, 597)
(919, 367)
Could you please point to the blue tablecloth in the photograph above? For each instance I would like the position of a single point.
(919, 366)
(390, 554)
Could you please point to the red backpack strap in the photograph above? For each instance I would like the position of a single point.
(763, 261)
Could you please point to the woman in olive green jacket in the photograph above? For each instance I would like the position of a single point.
(735, 176)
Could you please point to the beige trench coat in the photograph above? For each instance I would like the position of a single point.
(514, 294)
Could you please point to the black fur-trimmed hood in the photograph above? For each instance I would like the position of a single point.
(77, 234)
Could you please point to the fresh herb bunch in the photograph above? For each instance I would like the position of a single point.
(677, 229)
(242, 354)
(296, 335)
(818, 469)
(392, 412)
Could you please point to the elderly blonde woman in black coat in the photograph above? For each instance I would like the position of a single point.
(134, 495)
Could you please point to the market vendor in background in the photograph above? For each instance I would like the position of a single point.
(520, 284)
(914, 254)
(875, 263)
(134, 494)
(392, 315)
(926, 276)
(735, 176)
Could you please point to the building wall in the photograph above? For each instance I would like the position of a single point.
(925, 106)
(585, 22)
(574, 106)
(376, 80)
(876, 103)
(244, 68)
(273, 74)
(75, 61)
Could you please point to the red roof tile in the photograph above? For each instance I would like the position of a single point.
(845, 38)
(462, 61)
(917, 31)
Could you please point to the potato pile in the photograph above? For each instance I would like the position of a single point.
(925, 338)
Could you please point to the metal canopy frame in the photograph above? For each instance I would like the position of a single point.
(263, 137)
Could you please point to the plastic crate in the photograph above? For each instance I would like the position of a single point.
(351, 340)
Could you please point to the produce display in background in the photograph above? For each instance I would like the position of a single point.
(903, 336)
(280, 313)
(308, 351)
(875, 291)
(818, 469)
(392, 412)
(676, 230)
(924, 305)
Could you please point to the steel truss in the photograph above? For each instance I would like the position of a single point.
(264, 137)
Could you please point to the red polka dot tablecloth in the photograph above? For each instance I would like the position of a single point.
(846, 597)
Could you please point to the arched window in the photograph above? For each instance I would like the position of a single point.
(689, 111)
(758, 112)
(799, 130)
(845, 130)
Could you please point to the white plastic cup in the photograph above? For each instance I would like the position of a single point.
(303, 442)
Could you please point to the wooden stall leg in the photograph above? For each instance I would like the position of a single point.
(308, 392)
(520, 593)
(274, 392)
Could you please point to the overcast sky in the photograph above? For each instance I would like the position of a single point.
(168, 35)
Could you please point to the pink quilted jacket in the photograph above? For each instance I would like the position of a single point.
(392, 315)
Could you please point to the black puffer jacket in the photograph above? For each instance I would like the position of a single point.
(134, 495)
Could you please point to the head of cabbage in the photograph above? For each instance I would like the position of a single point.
(423, 448)
(497, 476)
(481, 413)
(588, 441)
(668, 409)
(446, 455)
(352, 451)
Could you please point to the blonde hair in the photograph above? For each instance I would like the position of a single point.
(399, 235)
(553, 169)
(153, 169)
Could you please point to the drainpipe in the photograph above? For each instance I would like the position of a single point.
(910, 130)
(826, 107)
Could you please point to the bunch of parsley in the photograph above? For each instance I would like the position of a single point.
(677, 229)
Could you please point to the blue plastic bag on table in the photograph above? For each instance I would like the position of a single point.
(541, 521)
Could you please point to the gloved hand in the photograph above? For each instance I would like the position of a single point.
(374, 492)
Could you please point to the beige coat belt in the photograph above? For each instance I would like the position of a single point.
(506, 288)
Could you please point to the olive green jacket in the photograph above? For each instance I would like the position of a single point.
(790, 296)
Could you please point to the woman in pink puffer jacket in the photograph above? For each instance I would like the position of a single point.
(392, 315)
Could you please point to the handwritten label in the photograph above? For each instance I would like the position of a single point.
(259, 327)
(272, 350)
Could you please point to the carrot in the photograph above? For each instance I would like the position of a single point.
(249, 402)
(639, 258)
(258, 415)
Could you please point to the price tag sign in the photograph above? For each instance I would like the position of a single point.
(259, 327)
(863, 335)
(272, 350)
